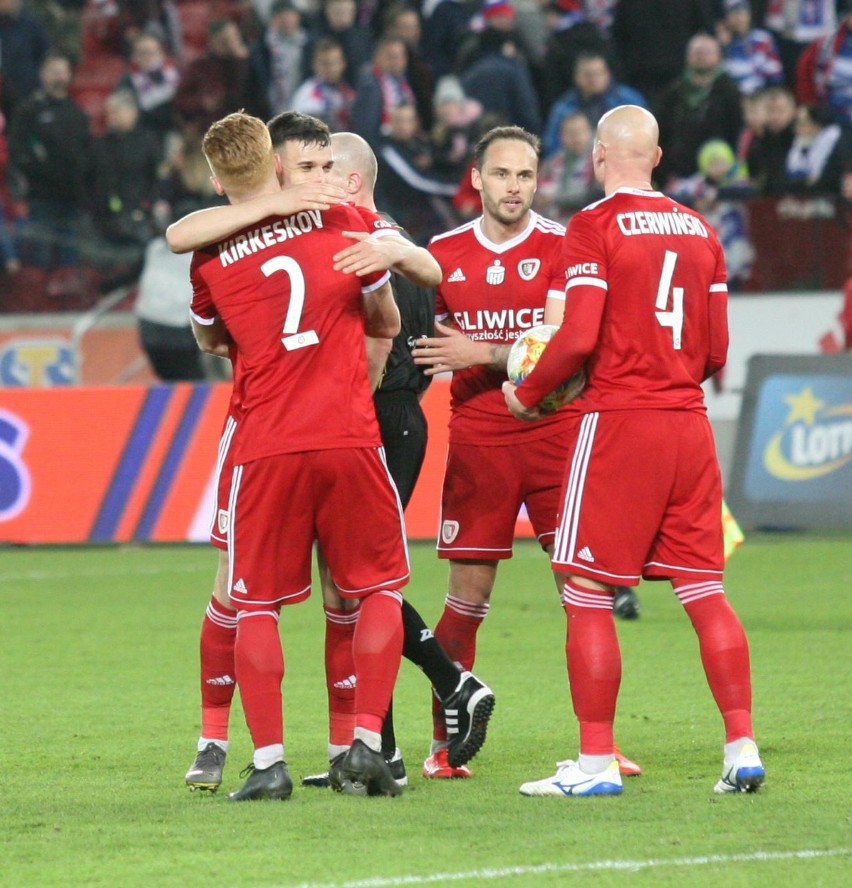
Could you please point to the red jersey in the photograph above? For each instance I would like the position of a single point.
(494, 293)
(298, 325)
(660, 271)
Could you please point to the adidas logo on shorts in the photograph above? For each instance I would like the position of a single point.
(586, 554)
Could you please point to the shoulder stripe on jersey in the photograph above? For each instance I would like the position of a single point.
(466, 227)
(586, 282)
(543, 224)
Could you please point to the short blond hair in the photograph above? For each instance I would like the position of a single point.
(239, 151)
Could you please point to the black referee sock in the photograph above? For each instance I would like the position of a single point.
(422, 648)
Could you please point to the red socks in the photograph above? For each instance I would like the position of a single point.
(594, 664)
(218, 677)
(376, 649)
(724, 654)
(260, 668)
(340, 673)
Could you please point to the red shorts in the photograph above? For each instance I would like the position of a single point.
(224, 471)
(642, 498)
(280, 505)
(485, 487)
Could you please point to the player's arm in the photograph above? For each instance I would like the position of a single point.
(450, 349)
(212, 336)
(565, 354)
(388, 252)
(717, 353)
(205, 227)
(554, 308)
(378, 352)
(381, 314)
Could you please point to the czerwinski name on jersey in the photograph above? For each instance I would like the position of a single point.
(268, 235)
(498, 325)
(652, 222)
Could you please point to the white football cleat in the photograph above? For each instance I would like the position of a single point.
(744, 772)
(569, 780)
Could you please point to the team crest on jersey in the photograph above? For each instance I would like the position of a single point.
(496, 273)
(222, 520)
(449, 531)
(528, 268)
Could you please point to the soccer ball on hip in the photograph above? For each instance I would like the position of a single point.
(524, 355)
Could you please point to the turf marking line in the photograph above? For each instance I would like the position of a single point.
(544, 868)
(119, 571)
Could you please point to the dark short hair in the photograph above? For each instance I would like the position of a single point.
(518, 133)
(293, 126)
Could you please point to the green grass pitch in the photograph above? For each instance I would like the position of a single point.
(100, 717)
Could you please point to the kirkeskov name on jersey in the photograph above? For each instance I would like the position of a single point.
(485, 324)
(268, 236)
(648, 222)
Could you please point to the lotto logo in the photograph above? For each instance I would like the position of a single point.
(15, 483)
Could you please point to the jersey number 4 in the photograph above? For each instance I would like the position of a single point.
(674, 317)
(293, 338)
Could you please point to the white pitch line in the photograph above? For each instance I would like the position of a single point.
(545, 868)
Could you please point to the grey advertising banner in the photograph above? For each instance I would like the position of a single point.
(793, 456)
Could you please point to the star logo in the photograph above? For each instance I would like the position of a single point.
(803, 407)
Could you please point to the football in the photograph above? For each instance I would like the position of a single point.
(524, 355)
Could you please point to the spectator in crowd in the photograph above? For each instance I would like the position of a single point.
(124, 177)
(278, 55)
(796, 24)
(718, 191)
(455, 131)
(751, 54)
(594, 93)
(445, 26)
(153, 79)
(337, 20)
(754, 124)
(162, 297)
(185, 184)
(408, 188)
(61, 20)
(500, 81)
(650, 39)
(327, 95)
(219, 81)
(703, 103)
(9, 259)
(158, 16)
(382, 87)
(566, 181)
(824, 72)
(820, 153)
(403, 21)
(571, 33)
(49, 149)
(24, 45)
(767, 156)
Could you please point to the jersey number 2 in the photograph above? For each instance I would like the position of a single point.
(293, 338)
(673, 318)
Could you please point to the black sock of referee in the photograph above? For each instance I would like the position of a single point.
(421, 648)
(388, 734)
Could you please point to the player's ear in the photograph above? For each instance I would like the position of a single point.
(658, 156)
(217, 186)
(279, 169)
(476, 178)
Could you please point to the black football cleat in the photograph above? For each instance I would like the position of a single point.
(466, 712)
(365, 772)
(206, 771)
(264, 783)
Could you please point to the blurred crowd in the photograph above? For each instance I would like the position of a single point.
(104, 103)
